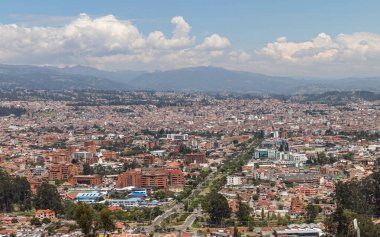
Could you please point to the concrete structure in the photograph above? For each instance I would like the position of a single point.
(234, 180)
(177, 137)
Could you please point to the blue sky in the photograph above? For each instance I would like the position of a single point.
(247, 23)
(249, 26)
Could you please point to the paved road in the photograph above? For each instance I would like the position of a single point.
(159, 219)
(189, 220)
(176, 207)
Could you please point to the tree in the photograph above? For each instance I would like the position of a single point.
(104, 220)
(340, 224)
(183, 149)
(47, 197)
(311, 212)
(22, 193)
(14, 192)
(217, 207)
(255, 197)
(130, 166)
(87, 170)
(46, 220)
(84, 216)
(70, 210)
(98, 206)
(160, 195)
(349, 156)
(356, 199)
(321, 158)
(35, 221)
(156, 211)
(361, 196)
(243, 211)
(236, 232)
(100, 170)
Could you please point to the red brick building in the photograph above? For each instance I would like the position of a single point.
(198, 158)
(129, 178)
(297, 206)
(145, 159)
(154, 179)
(58, 157)
(161, 179)
(110, 155)
(62, 171)
(86, 179)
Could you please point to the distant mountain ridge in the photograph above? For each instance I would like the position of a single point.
(32, 77)
(211, 79)
(199, 79)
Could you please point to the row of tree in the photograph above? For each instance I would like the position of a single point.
(6, 111)
(90, 218)
(358, 199)
(14, 191)
(361, 196)
(97, 217)
(16, 194)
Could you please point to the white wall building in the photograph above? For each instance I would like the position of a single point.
(234, 180)
(177, 137)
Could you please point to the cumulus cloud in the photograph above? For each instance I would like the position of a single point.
(321, 47)
(239, 56)
(356, 54)
(106, 41)
(214, 42)
(182, 28)
(357, 46)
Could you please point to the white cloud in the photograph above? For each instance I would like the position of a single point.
(180, 39)
(182, 28)
(105, 41)
(112, 43)
(356, 54)
(239, 56)
(214, 42)
(358, 46)
(321, 47)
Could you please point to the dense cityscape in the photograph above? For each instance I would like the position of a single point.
(201, 118)
(186, 165)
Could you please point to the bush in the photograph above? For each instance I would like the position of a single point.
(46, 221)
(35, 221)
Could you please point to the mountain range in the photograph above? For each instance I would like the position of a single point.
(200, 79)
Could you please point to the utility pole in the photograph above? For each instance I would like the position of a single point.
(356, 227)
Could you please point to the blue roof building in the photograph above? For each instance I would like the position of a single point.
(88, 197)
(138, 194)
(131, 202)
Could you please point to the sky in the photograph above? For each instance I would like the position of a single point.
(300, 38)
